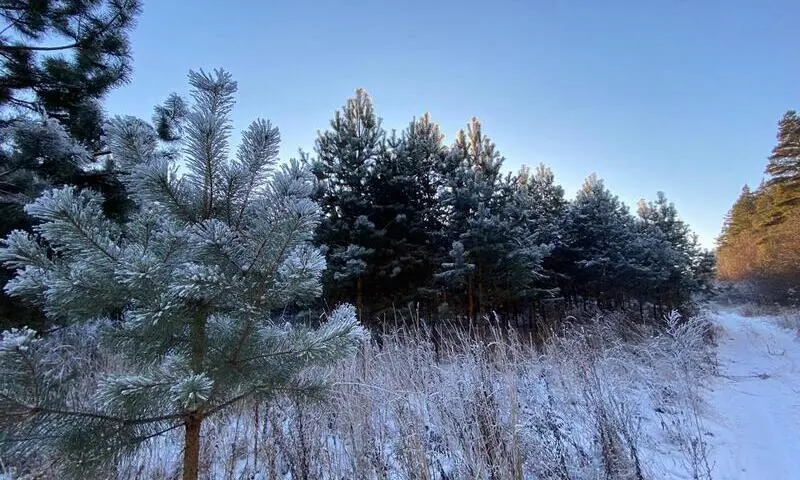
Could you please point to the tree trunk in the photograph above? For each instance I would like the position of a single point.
(191, 452)
(191, 442)
(481, 305)
(258, 435)
(359, 297)
(542, 307)
(471, 299)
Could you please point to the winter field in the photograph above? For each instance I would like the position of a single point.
(712, 397)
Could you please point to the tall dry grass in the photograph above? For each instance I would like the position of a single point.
(605, 399)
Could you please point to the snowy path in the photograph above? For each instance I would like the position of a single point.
(755, 404)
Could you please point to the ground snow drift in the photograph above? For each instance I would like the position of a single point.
(754, 406)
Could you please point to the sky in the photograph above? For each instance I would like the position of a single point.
(676, 96)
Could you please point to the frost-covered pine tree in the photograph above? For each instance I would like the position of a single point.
(543, 200)
(679, 251)
(58, 59)
(346, 156)
(187, 291)
(597, 232)
(539, 209)
(529, 221)
(403, 186)
(473, 202)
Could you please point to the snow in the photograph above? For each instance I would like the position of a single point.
(754, 405)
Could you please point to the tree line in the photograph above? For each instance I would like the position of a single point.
(759, 239)
(411, 220)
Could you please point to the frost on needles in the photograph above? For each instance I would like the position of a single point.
(184, 291)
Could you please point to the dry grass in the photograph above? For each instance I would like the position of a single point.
(605, 399)
(784, 316)
(788, 319)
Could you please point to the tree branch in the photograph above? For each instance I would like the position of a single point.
(153, 435)
(91, 240)
(240, 343)
(87, 38)
(229, 402)
(32, 106)
(273, 354)
(95, 415)
(11, 48)
(244, 395)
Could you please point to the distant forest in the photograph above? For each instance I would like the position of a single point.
(760, 241)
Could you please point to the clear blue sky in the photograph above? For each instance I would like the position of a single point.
(674, 95)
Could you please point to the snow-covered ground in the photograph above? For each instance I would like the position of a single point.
(753, 411)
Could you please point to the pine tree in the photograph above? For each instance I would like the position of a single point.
(779, 209)
(651, 259)
(472, 176)
(346, 155)
(545, 199)
(527, 239)
(704, 271)
(736, 254)
(673, 250)
(783, 167)
(58, 59)
(474, 203)
(456, 276)
(60, 56)
(542, 211)
(190, 284)
(597, 234)
(403, 186)
(740, 218)
(759, 238)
